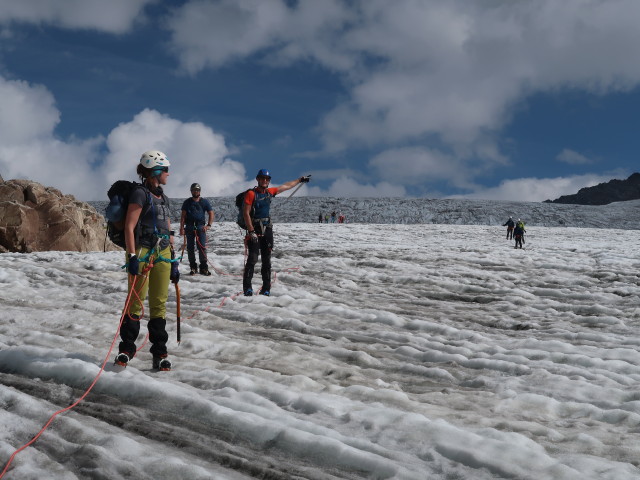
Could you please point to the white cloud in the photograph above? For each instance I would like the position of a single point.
(196, 152)
(420, 166)
(345, 187)
(446, 73)
(210, 34)
(456, 69)
(113, 16)
(538, 189)
(28, 112)
(573, 158)
(30, 149)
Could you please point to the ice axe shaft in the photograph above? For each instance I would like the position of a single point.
(296, 189)
(178, 313)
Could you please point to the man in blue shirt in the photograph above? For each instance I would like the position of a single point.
(192, 224)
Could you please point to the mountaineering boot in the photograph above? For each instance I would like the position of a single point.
(162, 363)
(204, 271)
(122, 359)
(194, 270)
(264, 292)
(248, 293)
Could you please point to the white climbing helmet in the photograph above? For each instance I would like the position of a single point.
(154, 158)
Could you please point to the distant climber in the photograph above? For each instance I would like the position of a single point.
(509, 224)
(518, 233)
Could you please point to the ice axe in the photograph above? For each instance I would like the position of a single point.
(178, 313)
(298, 187)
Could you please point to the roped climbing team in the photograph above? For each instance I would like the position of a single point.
(151, 260)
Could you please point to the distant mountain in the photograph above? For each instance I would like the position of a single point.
(604, 193)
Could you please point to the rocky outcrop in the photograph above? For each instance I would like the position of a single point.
(35, 218)
(605, 193)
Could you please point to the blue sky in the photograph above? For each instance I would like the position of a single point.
(524, 100)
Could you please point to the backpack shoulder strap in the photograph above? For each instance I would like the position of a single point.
(148, 201)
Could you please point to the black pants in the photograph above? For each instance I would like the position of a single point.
(262, 247)
(518, 240)
(196, 236)
(509, 233)
(130, 329)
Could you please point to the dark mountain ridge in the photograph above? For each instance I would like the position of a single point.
(604, 193)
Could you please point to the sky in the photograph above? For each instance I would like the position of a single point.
(472, 360)
(505, 100)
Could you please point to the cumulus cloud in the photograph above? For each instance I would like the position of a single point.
(423, 71)
(443, 77)
(114, 16)
(196, 152)
(462, 72)
(573, 158)
(538, 189)
(30, 149)
(28, 112)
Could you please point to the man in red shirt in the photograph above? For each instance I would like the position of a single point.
(259, 237)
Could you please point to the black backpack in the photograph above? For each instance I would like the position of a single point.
(116, 211)
(240, 202)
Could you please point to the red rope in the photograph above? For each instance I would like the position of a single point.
(95, 380)
(132, 292)
(202, 248)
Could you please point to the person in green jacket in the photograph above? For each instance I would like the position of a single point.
(518, 233)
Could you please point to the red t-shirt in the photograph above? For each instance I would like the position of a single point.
(251, 195)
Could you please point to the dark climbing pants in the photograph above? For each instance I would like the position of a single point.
(196, 236)
(518, 241)
(130, 330)
(509, 233)
(263, 247)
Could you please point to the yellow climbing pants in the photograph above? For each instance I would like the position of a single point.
(156, 284)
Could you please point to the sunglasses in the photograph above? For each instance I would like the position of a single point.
(262, 177)
(159, 170)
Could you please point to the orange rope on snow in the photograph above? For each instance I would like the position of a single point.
(83, 396)
(132, 293)
(217, 270)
